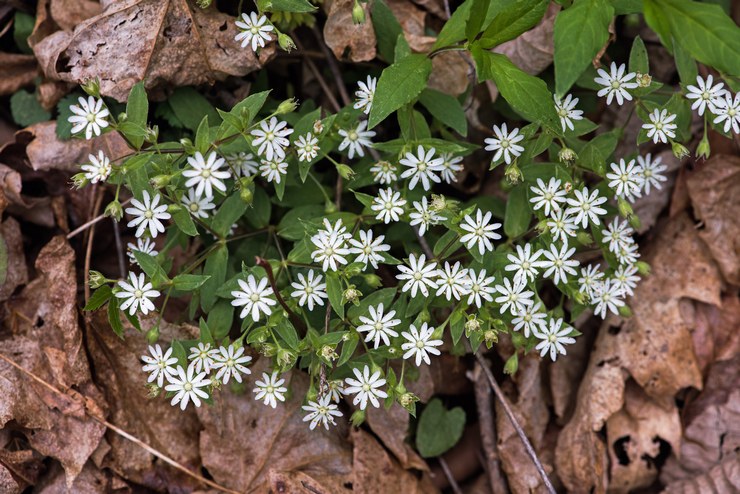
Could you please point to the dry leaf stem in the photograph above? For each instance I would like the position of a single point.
(483, 402)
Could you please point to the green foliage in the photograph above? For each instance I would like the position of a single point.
(22, 29)
(189, 107)
(398, 85)
(137, 111)
(26, 109)
(439, 429)
(517, 18)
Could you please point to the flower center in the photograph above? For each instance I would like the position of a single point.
(270, 389)
(194, 206)
(254, 30)
(659, 126)
(552, 338)
(731, 112)
(563, 112)
(505, 143)
(90, 117)
(615, 84)
(254, 297)
(188, 387)
(378, 326)
(417, 276)
(269, 136)
(205, 173)
(525, 265)
(422, 166)
(329, 251)
(419, 344)
(352, 135)
(366, 387)
(705, 95)
(148, 214)
(308, 290)
(138, 293)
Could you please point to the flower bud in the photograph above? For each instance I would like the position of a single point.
(287, 106)
(513, 173)
(625, 311)
(187, 145)
(424, 316)
(160, 181)
(643, 268)
(152, 134)
(286, 42)
(114, 210)
(358, 13)
(152, 335)
(79, 180)
(345, 171)
(542, 227)
(373, 280)
(122, 117)
(173, 208)
(357, 418)
(92, 87)
(567, 155)
(351, 294)
(512, 364)
(472, 324)
(408, 401)
(580, 298)
(97, 279)
(490, 337)
(584, 238)
(318, 127)
(246, 195)
(679, 150)
(703, 150)
(643, 80)
(635, 222)
(286, 358)
(330, 207)
(625, 209)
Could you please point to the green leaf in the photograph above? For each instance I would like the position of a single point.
(387, 29)
(457, 325)
(288, 333)
(114, 317)
(22, 29)
(231, 210)
(184, 222)
(518, 215)
(220, 318)
(439, 429)
(402, 48)
(594, 154)
(639, 57)
(686, 66)
(334, 291)
(580, 32)
(99, 298)
(215, 268)
(26, 109)
(206, 336)
(512, 21)
(137, 111)
(454, 29)
(64, 127)
(446, 109)
(527, 95)
(291, 6)
(259, 214)
(203, 136)
(399, 84)
(622, 7)
(476, 18)
(189, 282)
(151, 267)
(704, 31)
(190, 107)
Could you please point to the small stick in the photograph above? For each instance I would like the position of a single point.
(453, 483)
(334, 67)
(90, 238)
(322, 82)
(487, 430)
(119, 249)
(118, 430)
(90, 223)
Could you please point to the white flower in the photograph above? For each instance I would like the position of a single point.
(548, 196)
(148, 214)
(365, 94)
(422, 166)
(590, 277)
(480, 287)
(201, 357)
(389, 205)
(513, 297)
(504, 143)
(562, 225)
(368, 249)
(366, 387)
(187, 387)
(98, 169)
(272, 139)
(453, 281)
(419, 344)
(307, 147)
(336, 230)
(524, 262)
(607, 296)
(379, 326)
(137, 293)
(566, 111)
(254, 30)
(660, 127)
(159, 366)
(336, 390)
(530, 319)
(618, 235)
(270, 389)
(231, 363)
(705, 94)
(330, 250)
(450, 166)
(625, 179)
(142, 245)
(309, 290)
(627, 254)
(321, 411)
(243, 163)
(585, 207)
(356, 139)
(650, 172)
(384, 172)
(423, 216)
(256, 298)
(559, 263)
(553, 337)
(89, 115)
(616, 84)
(197, 205)
(206, 174)
(419, 276)
(625, 278)
(273, 170)
(728, 111)
(480, 231)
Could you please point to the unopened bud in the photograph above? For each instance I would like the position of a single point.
(152, 335)
(152, 134)
(703, 150)
(79, 180)
(357, 418)
(351, 295)
(643, 268)
(97, 279)
(472, 324)
(345, 171)
(114, 210)
(246, 195)
(92, 87)
(513, 173)
(512, 364)
(635, 222)
(122, 117)
(679, 150)
(358, 13)
(567, 155)
(287, 106)
(584, 238)
(160, 181)
(643, 80)
(424, 316)
(625, 209)
(330, 207)
(625, 311)
(318, 127)
(285, 42)
(187, 145)
(173, 208)
(373, 280)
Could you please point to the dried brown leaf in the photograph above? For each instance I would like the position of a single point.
(715, 331)
(68, 13)
(16, 71)
(391, 426)
(163, 43)
(723, 478)
(450, 70)
(15, 270)
(343, 36)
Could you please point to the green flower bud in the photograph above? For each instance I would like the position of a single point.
(358, 13)
(424, 316)
(625, 209)
(635, 222)
(330, 207)
(345, 171)
(567, 155)
(92, 87)
(173, 208)
(373, 280)
(580, 298)
(408, 401)
(160, 181)
(286, 42)
(512, 364)
(152, 134)
(152, 335)
(679, 150)
(114, 210)
(97, 279)
(122, 117)
(351, 294)
(246, 195)
(643, 268)
(643, 80)
(625, 311)
(187, 145)
(357, 418)
(703, 150)
(287, 106)
(584, 238)
(513, 173)
(79, 180)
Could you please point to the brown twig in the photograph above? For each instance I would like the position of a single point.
(90, 223)
(510, 413)
(90, 238)
(119, 249)
(297, 322)
(487, 431)
(92, 411)
(320, 78)
(333, 66)
(448, 473)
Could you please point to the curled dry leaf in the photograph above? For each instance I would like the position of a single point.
(17, 71)
(715, 193)
(715, 332)
(164, 43)
(344, 37)
(13, 270)
(391, 426)
(721, 478)
(47, 341)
